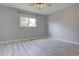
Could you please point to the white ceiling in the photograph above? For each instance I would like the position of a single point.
(46, 11)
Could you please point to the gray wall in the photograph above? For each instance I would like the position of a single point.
(64, 24)
(10, 28)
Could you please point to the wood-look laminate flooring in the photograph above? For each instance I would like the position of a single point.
(40, 47)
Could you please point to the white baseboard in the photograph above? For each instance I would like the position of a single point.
(27, 39)
(66, 41)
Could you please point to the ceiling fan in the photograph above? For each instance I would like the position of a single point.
(40, 6)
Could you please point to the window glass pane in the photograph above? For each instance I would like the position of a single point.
(32, 22)
(27, 22)
(24, 21)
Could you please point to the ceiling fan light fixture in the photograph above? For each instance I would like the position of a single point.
(39, 5)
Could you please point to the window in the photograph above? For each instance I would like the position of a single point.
(27, 22)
